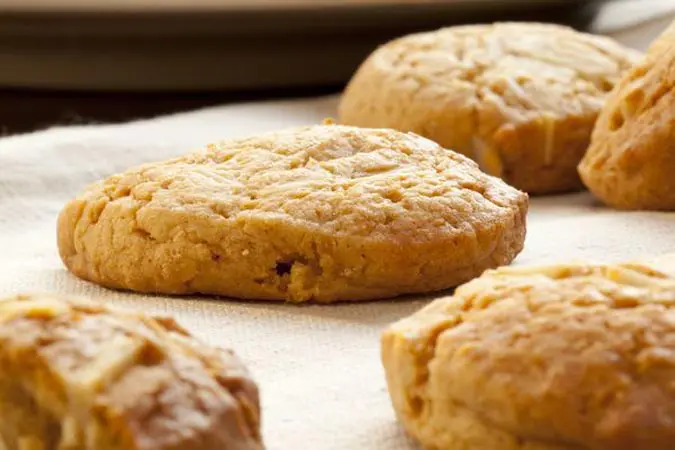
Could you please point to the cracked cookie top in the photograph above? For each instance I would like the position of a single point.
(485, 90)
(322, 212)
(578, 356)
(376, 184)
(77, 374)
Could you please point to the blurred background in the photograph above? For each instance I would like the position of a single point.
(74, 61)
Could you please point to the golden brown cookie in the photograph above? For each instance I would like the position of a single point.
(78, 375)
(631, 161)
(521, 99)
(576, 357)
(320, 213)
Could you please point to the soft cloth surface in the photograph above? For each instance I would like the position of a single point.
(318, 367)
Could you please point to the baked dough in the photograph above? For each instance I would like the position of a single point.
(519, 98)
(318, 213)
(569, 357)
(77, 375)
(631, 161)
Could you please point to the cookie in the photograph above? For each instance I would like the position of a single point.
(521, 99)
(319, 213)
(570, 357)
(631, 161)
(79, 375)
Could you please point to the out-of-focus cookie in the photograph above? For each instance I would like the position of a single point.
(631, 161)
(570, 357)
(320, 213)
(521, 99)
(78, 375)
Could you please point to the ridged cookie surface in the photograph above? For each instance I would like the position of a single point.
(631, 161)
(521, 99)
(319, 213)
(76, 375)
(577, 357)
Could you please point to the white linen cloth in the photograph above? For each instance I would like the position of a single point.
(318, 366)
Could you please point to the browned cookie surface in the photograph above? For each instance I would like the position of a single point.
(320, 213)
(521, 99)
(78, 375)
(575, 357)
(631, 161)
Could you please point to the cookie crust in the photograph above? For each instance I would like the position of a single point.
(519, 98)
(631, 160)
(79, 375)
(577, 357)
(319, 213)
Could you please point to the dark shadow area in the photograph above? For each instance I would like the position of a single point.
(23, 110)
(89, 68)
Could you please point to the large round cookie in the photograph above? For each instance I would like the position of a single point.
(631, 161)
(82, 376)
(576, 357)
(521, 99)
(320, 213)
